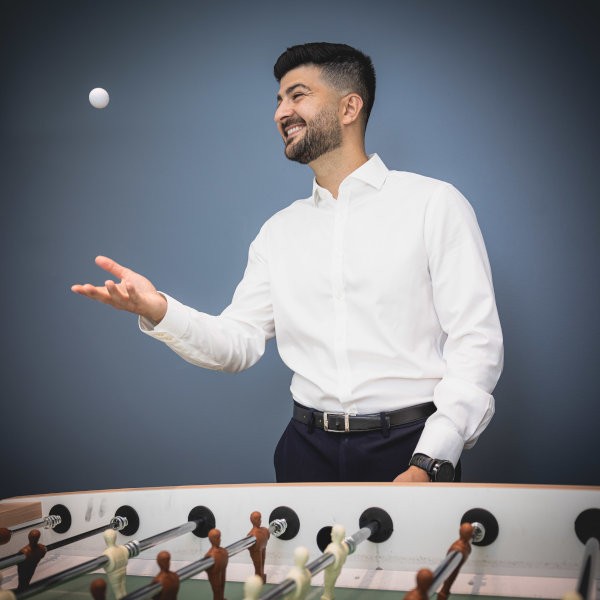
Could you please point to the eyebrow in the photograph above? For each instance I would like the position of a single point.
(290, 89)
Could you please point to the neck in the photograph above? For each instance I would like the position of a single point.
(332, 168)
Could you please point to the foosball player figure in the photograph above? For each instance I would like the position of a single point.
(217, 573)
(98, 589)
(424, 581)
(259, 548)
(6, 594)
(167, 578)
(117, 563)
(462, 545)
(300, 574)
(252, 587)
(5, 535)
(33, 552)
(340, 551)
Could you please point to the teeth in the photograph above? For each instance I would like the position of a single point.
(294, 129)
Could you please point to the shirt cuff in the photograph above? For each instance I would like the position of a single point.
(173, 325)
(439, 441)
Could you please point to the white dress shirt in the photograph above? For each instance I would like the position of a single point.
(379, 299)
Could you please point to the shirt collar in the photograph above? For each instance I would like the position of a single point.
(373, 173)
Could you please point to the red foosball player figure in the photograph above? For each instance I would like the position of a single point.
(462, 545)
(258, 549)
(167, 579)
(216, 573)
(5, 535)
(34, 552)
(98, 589)
(424, 581)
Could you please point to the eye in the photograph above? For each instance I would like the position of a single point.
(297, 95)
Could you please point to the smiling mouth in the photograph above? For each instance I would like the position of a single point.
(293, 131)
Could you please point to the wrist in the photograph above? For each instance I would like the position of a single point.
(418, 474)
(158, 310)
(435, 468)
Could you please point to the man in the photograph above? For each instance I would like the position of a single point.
(377, 286)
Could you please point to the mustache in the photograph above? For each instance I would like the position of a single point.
(291, 122)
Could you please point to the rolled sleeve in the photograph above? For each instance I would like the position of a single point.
(464, 300)
(232, 341)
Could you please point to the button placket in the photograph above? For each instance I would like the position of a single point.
(339, 298)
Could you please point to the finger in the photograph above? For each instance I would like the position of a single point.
(113, 267)
(131, 291)
(90, 291)
(117, 293)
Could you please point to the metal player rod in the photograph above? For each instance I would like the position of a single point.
(277, 528)
(322, 562)
(134, 547)
(116, 523)
(453, 560)
(49, 522)
(588, 575)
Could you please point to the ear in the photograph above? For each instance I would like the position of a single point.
(351, 106)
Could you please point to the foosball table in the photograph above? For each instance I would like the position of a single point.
(300, 540)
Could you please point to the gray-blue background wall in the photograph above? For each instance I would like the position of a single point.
(175, 177)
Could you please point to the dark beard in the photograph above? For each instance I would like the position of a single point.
(321, 135)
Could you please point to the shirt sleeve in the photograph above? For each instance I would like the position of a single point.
(463, 297)
(233, 340)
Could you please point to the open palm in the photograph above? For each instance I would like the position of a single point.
(134, 293)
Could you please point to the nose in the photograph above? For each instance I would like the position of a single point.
(283, 111)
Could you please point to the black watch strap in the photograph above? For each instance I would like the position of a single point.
(438, 470)
(423, 462)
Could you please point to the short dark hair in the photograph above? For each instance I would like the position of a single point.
(343, 66)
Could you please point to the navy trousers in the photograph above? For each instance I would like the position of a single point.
(306, 454)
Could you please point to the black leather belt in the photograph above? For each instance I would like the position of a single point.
(344, 423)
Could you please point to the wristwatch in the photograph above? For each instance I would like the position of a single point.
(438, 470)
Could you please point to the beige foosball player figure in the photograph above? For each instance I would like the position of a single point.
(300, 574)
(258, 549)
(424, 581)
(217, 573)
(167, 578)
(98, 589)
(572, 596)
(117, 564)
(340, 551)
(6, 594)
(252, 587)
(33, 552)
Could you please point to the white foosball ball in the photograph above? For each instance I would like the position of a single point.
(303, 541)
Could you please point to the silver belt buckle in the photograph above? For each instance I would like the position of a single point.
(346, 424)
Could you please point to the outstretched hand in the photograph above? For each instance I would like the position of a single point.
(134, 293)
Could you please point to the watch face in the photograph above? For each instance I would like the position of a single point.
(444, 471)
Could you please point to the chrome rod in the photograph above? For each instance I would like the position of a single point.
(322, 562)
(192, 569)
(588, 574)
(445, 569)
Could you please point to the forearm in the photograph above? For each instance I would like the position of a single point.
(464, 301)
(212, 342)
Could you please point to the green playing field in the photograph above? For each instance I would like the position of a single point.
(199, 589)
